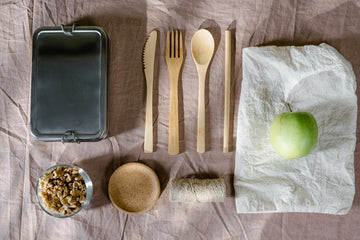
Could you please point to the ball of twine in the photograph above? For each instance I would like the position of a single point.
(197, 190)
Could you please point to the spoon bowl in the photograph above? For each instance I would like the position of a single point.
(202, 47)
(202, 50)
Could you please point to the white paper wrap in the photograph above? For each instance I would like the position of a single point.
(315, 79)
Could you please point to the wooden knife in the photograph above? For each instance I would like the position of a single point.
(148, 64)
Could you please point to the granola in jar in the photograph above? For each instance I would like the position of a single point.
(62, 190)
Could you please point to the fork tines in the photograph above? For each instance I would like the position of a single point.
(174, 45)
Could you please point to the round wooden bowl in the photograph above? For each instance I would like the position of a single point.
(134, 188)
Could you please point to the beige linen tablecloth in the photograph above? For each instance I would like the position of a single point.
(255, 23)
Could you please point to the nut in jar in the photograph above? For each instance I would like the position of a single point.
(63, 190)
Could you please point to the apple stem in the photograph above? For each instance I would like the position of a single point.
(289, 107)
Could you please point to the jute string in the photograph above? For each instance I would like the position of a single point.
(197, 190)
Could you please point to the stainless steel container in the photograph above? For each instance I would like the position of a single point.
(69, 86)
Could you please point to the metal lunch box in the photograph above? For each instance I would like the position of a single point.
(69, 85)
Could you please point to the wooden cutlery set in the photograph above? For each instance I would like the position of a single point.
(202, 50)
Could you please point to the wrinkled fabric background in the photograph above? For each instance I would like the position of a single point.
(255, 23)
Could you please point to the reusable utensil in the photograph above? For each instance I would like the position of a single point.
(174, 59)
(202, 49)
(148, 64)
(227, 90)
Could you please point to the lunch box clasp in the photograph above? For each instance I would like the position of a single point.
(66, 32)
(71, 134)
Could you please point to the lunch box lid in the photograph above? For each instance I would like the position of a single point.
(69, 85)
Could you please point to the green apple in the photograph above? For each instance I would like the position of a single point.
(294, 134)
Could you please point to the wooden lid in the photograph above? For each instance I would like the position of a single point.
(134, 188)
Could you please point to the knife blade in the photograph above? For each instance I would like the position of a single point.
(148, 65)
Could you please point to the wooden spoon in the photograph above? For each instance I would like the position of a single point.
(202, 50)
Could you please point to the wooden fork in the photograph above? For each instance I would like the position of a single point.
(174, 59)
